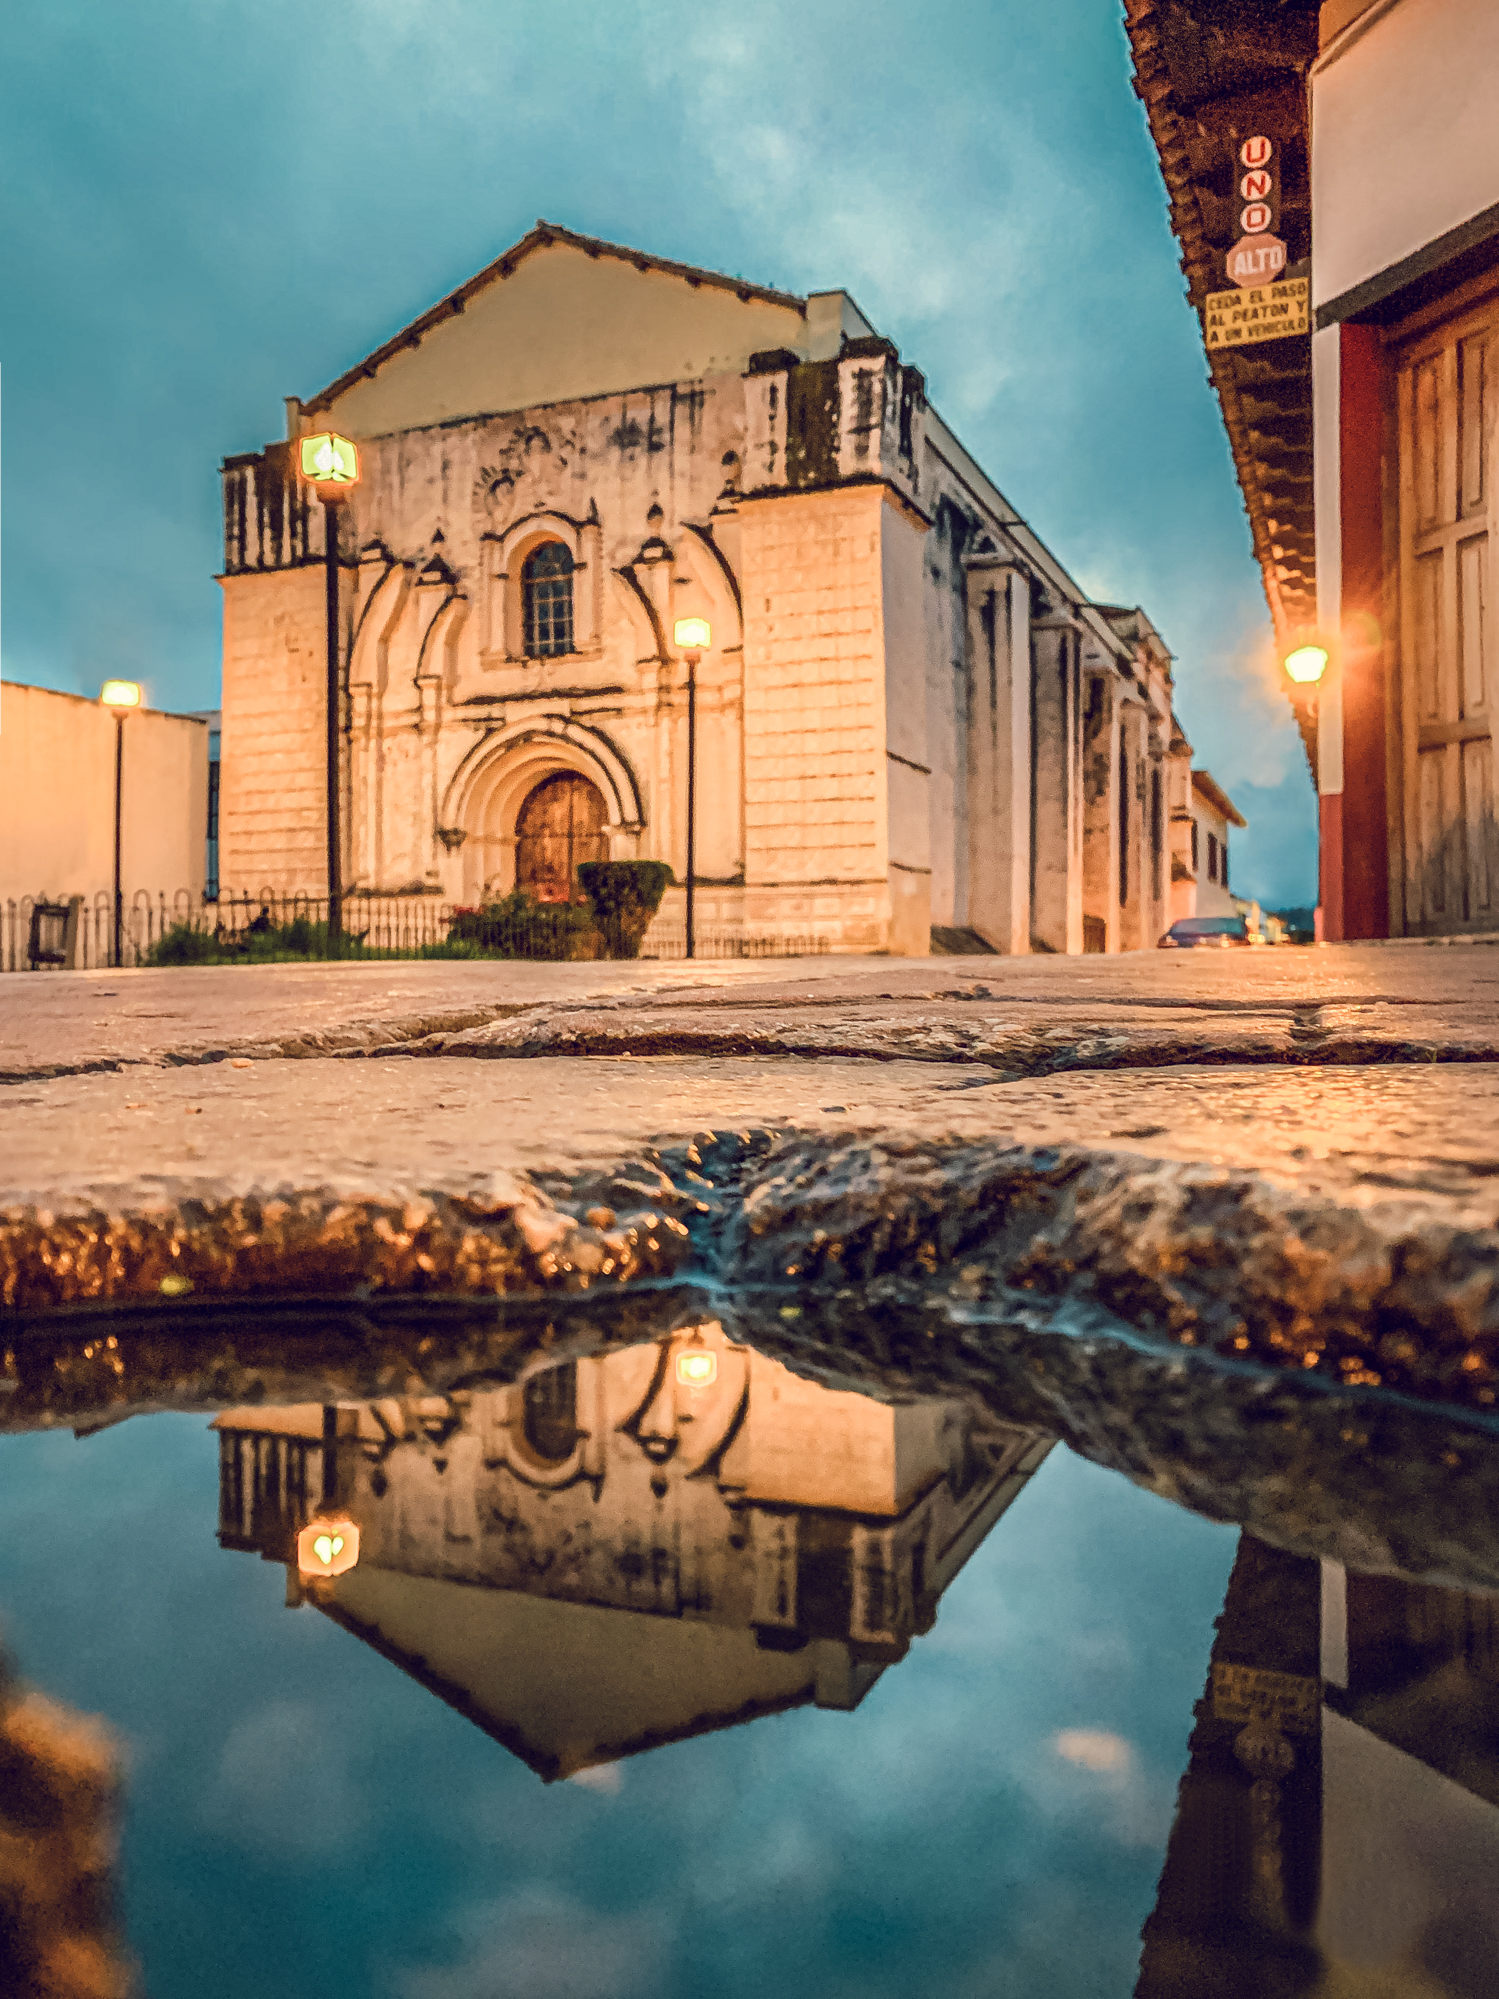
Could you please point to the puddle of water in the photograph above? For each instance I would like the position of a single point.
(669, 1671)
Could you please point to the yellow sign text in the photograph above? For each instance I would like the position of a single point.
(1258, 312)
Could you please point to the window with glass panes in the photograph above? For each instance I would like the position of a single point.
(547, 585)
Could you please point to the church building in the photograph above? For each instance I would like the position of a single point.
(909, 717)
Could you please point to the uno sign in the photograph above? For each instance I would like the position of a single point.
(1259, 256)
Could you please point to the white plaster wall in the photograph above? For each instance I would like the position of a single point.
(564, 325)
(1405, 141)
(1406, 1856)
(1213, 898)
(57, 773)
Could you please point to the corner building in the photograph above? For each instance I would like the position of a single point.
(910, 717)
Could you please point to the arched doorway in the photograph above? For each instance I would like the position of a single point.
(562, 823)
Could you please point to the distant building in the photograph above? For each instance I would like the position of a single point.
(909, 717)
(215, 721)
(1201, 814)
(605, 1558)
(1213, 812)
(57, 802)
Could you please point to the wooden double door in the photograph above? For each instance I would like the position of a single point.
(1446, 379)
(562, 823)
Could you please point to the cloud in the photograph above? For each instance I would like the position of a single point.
(1106, 1784)
(539, 1945)
(1093, 1749)
(607, 1779)
(284, 1784)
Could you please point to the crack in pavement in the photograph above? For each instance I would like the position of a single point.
(1231, 1344)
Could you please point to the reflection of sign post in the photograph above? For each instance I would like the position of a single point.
(1261, 312)
(1285, 1701)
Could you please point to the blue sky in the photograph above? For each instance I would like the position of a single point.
(210, 206)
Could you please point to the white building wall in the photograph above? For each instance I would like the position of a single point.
(1405, 144)
(57, 776)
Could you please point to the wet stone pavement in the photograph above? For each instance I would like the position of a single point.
(664, 1343)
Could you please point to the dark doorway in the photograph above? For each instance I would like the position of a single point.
(562, 823)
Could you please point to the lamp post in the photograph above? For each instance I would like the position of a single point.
(121, 696)
(693, 637)
(330, 465)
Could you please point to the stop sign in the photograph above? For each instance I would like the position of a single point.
(1255, 260)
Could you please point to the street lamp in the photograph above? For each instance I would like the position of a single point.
(121, 696)
(693, 637)
(1306, 664)
(330, 465)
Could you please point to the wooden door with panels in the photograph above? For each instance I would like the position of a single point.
(1446, 373)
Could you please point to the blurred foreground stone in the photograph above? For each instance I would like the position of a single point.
(59, 1801)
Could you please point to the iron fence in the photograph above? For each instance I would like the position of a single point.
(238, 927)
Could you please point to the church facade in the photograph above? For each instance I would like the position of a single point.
(909, 716)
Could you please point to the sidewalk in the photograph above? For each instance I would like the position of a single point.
(1276, 1005)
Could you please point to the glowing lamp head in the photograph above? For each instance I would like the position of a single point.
(329, 460)
(120, 694)
(1306, 664)
(693, 634)
(697, 1367)
(327, 1547)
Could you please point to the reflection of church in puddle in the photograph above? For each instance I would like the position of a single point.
(628, 1550)
(1337, 1829)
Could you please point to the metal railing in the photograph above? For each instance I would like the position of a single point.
(243, 928)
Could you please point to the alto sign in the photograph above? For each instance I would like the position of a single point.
(1256, 260)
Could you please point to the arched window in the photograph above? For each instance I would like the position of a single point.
(547, 590)
(1157, 833)
(1196, 851)
(549, 1413)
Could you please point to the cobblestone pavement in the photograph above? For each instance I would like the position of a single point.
(1275, 1005)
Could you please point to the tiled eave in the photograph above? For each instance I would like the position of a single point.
(1210, 72)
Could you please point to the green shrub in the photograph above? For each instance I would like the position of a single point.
(519, 926)
(625, 896)
(183, 944)
(453, 946)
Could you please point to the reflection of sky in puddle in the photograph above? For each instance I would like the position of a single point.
(303, 1817)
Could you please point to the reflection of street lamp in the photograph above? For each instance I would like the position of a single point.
(330, 465)
(697, 1367)
(693, 637)
(328, 1547)
(121, 696)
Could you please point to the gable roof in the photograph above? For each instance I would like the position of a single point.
(543, 237)
(1213, 793)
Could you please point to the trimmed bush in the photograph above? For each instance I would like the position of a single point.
(518, 926)
(625, 896)
(185, 945)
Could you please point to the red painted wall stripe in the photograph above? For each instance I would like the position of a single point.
(1363, 834)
